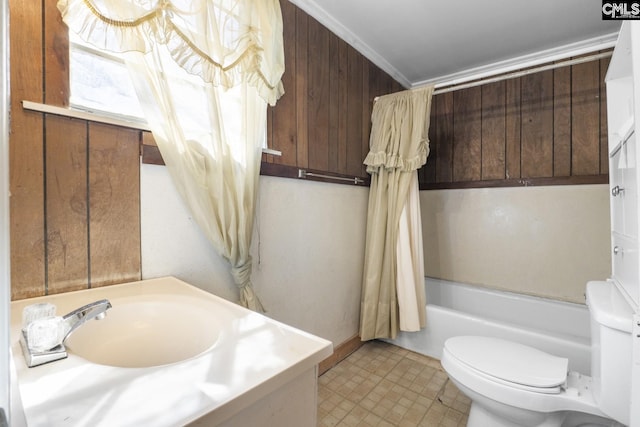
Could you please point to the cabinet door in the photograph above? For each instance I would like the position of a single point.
(624, 217)
(616, 182)
(625, 263)
(623, 186)
(628, 191)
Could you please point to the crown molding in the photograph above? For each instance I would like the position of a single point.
(524, 61)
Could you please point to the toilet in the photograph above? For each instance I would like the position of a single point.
(512, 384)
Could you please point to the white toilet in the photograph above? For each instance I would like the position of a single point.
(511, 384)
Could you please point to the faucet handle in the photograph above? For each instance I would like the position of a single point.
(37, 311)
(45, 333)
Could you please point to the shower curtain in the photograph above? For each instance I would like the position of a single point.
(393, 296)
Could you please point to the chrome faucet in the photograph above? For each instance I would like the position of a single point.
(78, 317)
(70, 322)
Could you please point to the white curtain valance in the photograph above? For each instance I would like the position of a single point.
(225, 42)
(399, 133)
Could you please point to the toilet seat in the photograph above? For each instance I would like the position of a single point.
(571, 392)
(512, 364)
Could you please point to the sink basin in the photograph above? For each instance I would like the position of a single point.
(167, 354)
(139, 333)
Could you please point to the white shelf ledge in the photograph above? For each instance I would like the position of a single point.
(101, 118)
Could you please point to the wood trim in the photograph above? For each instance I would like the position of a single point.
(151, 155)
(524, 182)
(340, 353)
(149, 150)
(277, 169)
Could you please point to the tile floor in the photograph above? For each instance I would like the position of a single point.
(384, 385)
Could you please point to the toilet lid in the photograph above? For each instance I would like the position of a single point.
(509, 361)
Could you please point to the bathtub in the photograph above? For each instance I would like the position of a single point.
(557, 327)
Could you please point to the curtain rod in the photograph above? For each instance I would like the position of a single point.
(444, 88)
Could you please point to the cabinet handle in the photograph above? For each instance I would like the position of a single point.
(615, 191)
(617, 250)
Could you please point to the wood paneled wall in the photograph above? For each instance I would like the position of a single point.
(75, 204)
(544, 128)
(322, 122)
(75, 210)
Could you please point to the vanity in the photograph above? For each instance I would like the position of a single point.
(623, 115)
(170, 354)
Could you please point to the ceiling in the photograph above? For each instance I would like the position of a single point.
(427, 41)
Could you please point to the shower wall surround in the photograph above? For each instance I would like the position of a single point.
(543, 241)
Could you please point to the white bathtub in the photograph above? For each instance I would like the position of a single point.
(556, 327)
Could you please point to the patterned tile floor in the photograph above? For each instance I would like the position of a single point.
(384, 385)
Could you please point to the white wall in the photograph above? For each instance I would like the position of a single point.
(546, 241)
(308, 250)
(309, 244)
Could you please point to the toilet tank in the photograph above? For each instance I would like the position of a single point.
(611, 321)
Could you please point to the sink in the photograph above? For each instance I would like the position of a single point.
(144, 332)
(167, 354)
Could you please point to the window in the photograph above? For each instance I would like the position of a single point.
(100, 82)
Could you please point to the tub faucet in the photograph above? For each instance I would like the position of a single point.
(56, 350)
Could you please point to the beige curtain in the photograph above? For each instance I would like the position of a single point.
(410, 263)
(399, 145)
(204, 71)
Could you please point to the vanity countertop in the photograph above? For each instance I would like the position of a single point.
(252, 356)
